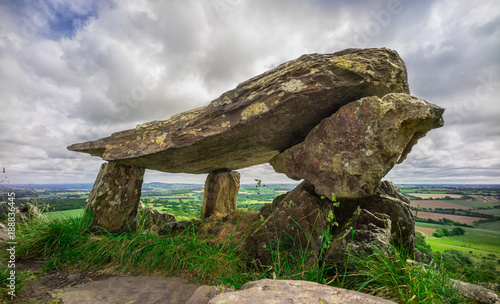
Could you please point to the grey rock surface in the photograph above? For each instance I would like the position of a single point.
(296, 292)
(115, 196)
(297, 220)
(221, 190)
(348, 153)
(480, 294)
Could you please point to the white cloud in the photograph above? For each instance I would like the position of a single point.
(77, 71)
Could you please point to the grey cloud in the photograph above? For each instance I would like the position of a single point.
(126, 63)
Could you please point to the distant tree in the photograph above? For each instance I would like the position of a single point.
(458, 231)
(438, 233)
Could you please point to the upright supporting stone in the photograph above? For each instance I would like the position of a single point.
(221, 189)
(115, 196)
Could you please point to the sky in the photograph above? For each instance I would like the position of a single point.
(73, 71)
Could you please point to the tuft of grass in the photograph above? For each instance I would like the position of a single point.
(391, 275)
(5, 282)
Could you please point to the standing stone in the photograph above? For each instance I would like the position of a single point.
(27, 212)
(348, 153)
(115, 196)
(221, 189)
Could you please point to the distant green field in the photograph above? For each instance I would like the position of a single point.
(493, 226)
(495, 211)
(473, 204)
(251, 202)
(477, 243)
(484, 229)
(65, 213)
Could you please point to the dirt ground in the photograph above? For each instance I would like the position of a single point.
(37, 291)
(72, 286)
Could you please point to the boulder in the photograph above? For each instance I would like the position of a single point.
(221, 189)
(479, 294)
(361, 233)
(296, 221)
(348, 153)
(300, 219)
(114, 198)
(4, 233)
(294, 291)
(154, 219)
(26, 212)
(388, 200)
(260, 118)
(379, 220)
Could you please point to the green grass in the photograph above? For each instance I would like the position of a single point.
(495, 211)
(5, 282)
(390, 276)
(66, 242)
(493, 226)
(470, 242)
(65, 213)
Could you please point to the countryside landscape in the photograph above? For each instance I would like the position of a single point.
(440, 209)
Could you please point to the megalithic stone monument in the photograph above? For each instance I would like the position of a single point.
(261, 118)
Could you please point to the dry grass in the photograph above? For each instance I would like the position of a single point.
(221, 228)
(427, 231)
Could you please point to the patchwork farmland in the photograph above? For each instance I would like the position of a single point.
(433, 204)
(469, 220)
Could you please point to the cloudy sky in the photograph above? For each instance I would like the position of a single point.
(72, 71)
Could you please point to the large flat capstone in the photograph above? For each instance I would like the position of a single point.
(260, 118)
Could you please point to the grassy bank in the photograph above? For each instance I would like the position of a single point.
(65, 242)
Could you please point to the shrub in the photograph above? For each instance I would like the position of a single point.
(458, 231)
(421, 245)
(438, 233)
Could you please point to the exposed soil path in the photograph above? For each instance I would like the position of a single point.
(93, 287)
